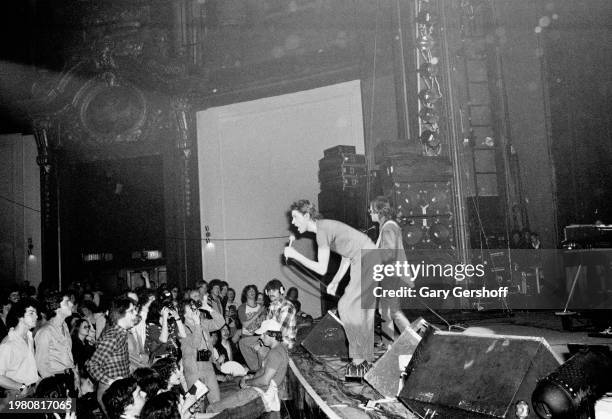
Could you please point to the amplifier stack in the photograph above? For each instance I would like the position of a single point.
(343, 180)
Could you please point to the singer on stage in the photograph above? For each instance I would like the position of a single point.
(347, 242)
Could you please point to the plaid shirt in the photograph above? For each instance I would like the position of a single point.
(111, 358)
(283, 311)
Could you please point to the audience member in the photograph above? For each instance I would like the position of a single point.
(164, 327)
(148, 380)
(267, 379)
(196, 346)
(111, 358)
(162, 406)
(281, 310)
(170, 373)
(214, 298)
(250, 313)
(231, 300)
(18, 372)
(87, 310)
(54, 344)
(124, 399)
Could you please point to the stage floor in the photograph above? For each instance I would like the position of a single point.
(319, 390)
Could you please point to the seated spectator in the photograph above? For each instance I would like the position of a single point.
(82, 344)
(293, 295)
(148, 380)
(250, 313)
(225, 346)
(231, 300)
(265, 382)
(170, 374)
(261, 300)
(281, 310)
(233, 323)
(162, 406)
(219, 356)
(124, 399)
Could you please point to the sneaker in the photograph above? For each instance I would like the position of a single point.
(356, 372)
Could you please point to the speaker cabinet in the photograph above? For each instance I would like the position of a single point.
(386, 373)
(327, 338)
(461, 376)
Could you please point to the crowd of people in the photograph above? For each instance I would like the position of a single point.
(147, 352)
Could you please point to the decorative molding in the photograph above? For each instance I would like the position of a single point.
(111, 109)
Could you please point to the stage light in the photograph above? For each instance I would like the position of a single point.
(428, 70)
(429, 116)
(428, 97)
(425, 17)
(425, 43)
(430, 138)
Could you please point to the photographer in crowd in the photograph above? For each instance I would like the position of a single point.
(196, 347)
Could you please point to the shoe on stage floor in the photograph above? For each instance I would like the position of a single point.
(356, 372)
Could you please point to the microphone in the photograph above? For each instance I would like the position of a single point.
(368, 229)
(291, 240)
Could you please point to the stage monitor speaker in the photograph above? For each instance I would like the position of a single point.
(386, 373)
(469, 376)
(327, 338)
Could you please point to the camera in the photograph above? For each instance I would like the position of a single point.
(165, 299)
(195, 304)
(203, 355)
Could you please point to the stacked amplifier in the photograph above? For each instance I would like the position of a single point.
(421, 191)
(343, 179)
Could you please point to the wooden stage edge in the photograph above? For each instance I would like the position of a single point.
(316, 389)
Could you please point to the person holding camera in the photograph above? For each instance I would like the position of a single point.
(196, 346)
(164, 328)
